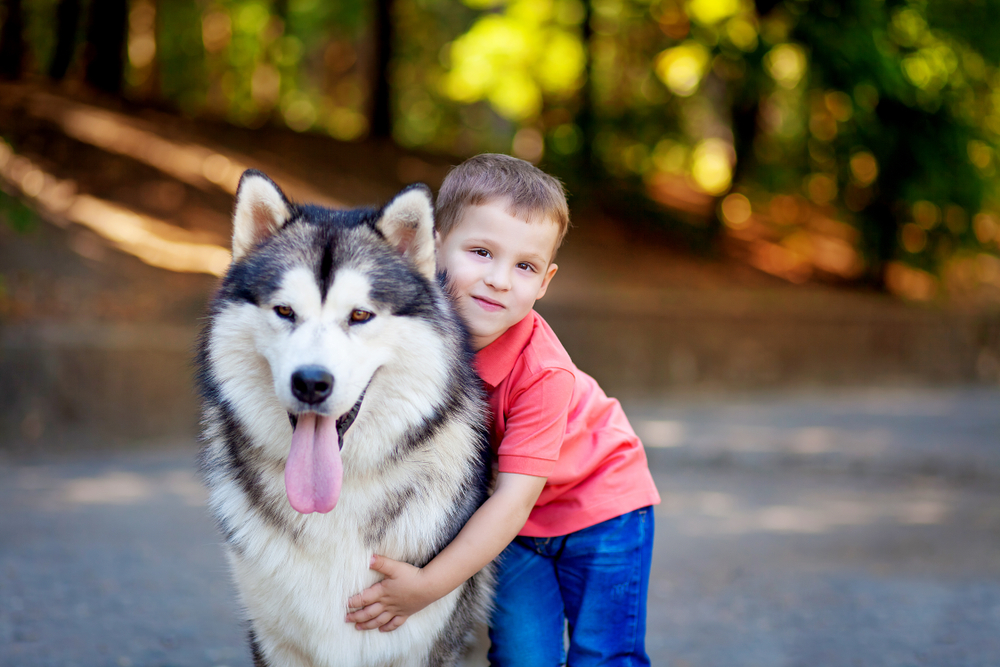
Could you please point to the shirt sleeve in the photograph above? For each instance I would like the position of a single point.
(536, 424)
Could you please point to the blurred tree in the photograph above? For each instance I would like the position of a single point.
(12, 44)
(905, 79)
(585, 114)
(187, 39)
(105, 50)
(845, 139)
(67, 24)
(381, 106)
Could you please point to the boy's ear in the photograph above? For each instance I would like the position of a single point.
(549, 273)
(261, 210)
(407, 222)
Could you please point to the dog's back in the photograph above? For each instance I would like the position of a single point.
(342, 418)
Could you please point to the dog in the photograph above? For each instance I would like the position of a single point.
(342, 418)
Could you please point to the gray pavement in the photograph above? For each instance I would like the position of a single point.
(953, 433)
(848, 528)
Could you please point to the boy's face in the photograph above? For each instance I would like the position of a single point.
(497, 265)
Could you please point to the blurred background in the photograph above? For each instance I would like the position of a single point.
(785, 260)
(765, 194)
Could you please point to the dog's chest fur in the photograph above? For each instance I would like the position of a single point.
(296, 572)
(297, 589)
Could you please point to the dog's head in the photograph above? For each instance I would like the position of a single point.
(331, 297)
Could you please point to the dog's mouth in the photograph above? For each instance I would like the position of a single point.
(314, 470)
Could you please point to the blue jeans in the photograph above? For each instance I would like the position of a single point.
(595, 578)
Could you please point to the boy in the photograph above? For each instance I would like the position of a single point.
(571, 508)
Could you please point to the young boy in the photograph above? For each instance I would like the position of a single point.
(571, 509)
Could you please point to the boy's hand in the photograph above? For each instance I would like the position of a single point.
(406, 589)
(388, 603)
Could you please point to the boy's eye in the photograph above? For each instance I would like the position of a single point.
(524, 266)
(359, 316)
(482, 252)
(285, 312)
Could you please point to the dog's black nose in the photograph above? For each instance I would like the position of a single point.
(312, 384)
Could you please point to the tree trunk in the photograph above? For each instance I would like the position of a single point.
(381, 120)
(106, 44)
(67, 20)
(12, 41)
(280, 9)
(744, 124)
(585, 116)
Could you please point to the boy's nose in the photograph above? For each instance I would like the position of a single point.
(498, 279)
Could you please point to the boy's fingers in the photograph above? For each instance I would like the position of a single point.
(386, 566)
(366, 614)
(366, 597)
(376, 622)
(393, 624)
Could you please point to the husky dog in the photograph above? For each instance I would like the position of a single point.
(342, 418)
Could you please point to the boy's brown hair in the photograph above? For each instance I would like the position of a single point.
(528, 192)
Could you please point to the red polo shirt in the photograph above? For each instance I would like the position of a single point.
(552, 420)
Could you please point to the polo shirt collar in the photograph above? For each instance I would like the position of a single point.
(495, 361)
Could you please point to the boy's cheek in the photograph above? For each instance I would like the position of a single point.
(444, 261)
(464, 317)
(454, 269)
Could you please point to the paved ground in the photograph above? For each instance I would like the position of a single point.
(832, 529)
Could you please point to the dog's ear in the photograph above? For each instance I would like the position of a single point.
(407, 222)
(261, 210)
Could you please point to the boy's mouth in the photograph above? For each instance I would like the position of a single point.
(488, 304)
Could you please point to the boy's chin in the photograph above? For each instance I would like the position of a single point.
(480, 333)
(482, 336)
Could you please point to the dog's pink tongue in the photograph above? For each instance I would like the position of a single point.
(313, 471)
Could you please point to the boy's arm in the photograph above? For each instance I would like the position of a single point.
(407, 589)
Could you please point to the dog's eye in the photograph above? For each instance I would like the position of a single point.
(358, 316)
(285, 312)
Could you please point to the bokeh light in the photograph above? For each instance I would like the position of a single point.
(708, 107)
(709, 12)
(513, 59)
(711, 166)
(735, 210)
(683, 67)
(786, 63)
(864, 168)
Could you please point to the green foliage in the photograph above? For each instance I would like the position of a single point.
(38, 20)
(254, 61)
(516, 57)
(875, 122)
(424, 117)
(181, 54)
(918, 91)
(16, 215)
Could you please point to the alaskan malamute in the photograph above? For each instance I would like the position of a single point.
(342, 418)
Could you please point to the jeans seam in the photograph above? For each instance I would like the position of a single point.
(636, 581)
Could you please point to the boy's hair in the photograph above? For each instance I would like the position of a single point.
(528, 192)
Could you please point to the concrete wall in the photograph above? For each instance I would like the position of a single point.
(632, 352)
(67, 386)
